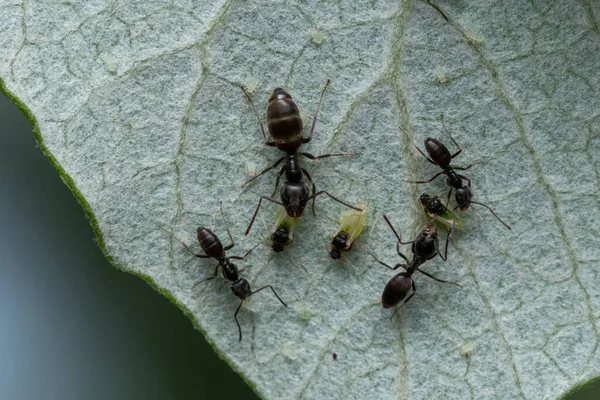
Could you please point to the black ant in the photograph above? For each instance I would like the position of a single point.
(213, 248)
(424, 247)
(440, 155)
(285, 127)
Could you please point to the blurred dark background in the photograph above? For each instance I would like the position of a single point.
(71, 325)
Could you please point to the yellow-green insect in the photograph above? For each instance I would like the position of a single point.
(350, 228)
(442, 215)
(283, 232)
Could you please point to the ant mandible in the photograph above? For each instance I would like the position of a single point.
(424, 248)
(285, 127)
(440, 155)
(213, 248)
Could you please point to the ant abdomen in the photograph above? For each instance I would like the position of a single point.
(283, 121)
(396, 290)
(438, 152)
(209, 242)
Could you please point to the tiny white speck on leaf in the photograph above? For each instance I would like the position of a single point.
(466, 349)
(251, 168)
(475, 38)
(290, 350)
(316, 35)
(111, 63)
(251, 85)
(440, 74)
(303, 311)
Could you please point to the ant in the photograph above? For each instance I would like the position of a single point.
(440, 155)
(213, 248)
(285, 128)
(424, 248)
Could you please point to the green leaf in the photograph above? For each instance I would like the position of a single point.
(139, 107)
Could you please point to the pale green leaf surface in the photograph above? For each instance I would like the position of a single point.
(138, 105)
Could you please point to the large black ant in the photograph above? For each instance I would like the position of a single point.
(285, 128)
(440, 155)
(213, 248)
(424, 247)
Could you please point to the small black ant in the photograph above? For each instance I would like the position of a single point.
(424, 247)
(440, 155)
(213, 248)
(285, 127)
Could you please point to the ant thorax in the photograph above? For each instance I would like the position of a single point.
(229, 270)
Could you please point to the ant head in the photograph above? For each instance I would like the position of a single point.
(241, 289)
(430, 231)
(432, 204)
(279, 93)
(294, 197)
(335, 254)
(339, 241)
(463, 197)
(280, 238)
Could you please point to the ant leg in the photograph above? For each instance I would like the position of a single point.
(262, 129)
(308, 155)
(281, 171)
(185, 245)
(399, 253)
(493, 213)
(227, 229)
(467, 167)
(264, 171)
(466, 179)
(312, 128)
(417, 147)
(414, 288)
(334, 198)
(274, 292)
(245, 255)
(257, 208)
(236, 320)
(429, 180)
(438, 9)
(314, 189)
(398, 236)
(379, 261)
(437, 279)
(448, 199)
(209, 278)
(446, 130)
(437, 248)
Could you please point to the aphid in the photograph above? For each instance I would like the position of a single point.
(285, 128)
(213, 248)
(439, 212)
(350, 228)
(424, 247)
(283, 232)
(466, 349)
(440, 155)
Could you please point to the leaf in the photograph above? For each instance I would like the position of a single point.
(138, 106)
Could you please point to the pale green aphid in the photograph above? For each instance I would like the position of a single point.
(283, 232)
(350, 228)
(442, 216)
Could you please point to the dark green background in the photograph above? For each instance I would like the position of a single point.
(73, 326)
